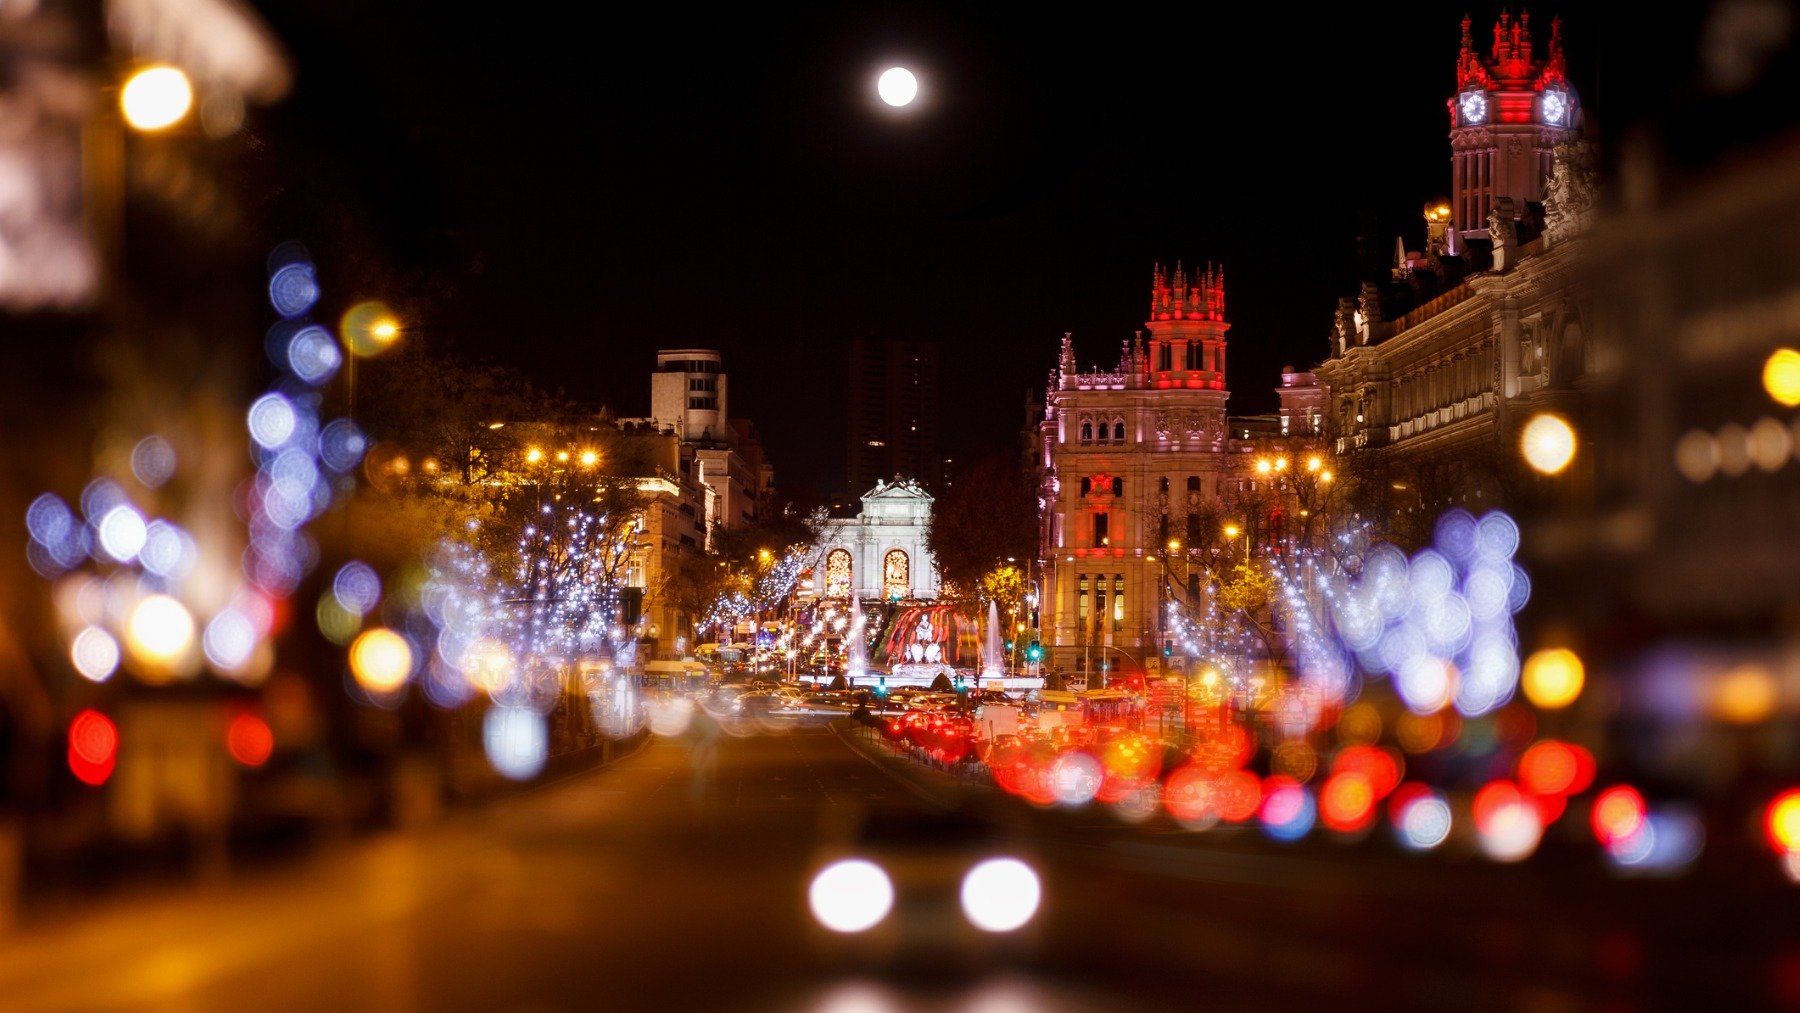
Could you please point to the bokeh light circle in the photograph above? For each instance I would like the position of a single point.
(853, 895)
(159, 633)
(1781, 377)
(95, 654)
(249, 740)
(516, 741)
(93, 747)
(381, 660)
(369, 328)
(1553, 677)
(1548, 443)
(1000, 894)
(153, 461)
(156, 98)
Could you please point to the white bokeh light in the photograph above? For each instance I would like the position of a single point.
(1000, 894)
(853, 895)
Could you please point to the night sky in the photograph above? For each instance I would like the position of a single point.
(567, 197)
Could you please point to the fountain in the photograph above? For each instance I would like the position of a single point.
(993, 658)
(856, 645)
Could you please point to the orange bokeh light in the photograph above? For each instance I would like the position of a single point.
(1239, 795)
(1783, 821)
(1619, 812)
(1347, 801)
(1189, 793)
(1379, 766)
(1550, 767)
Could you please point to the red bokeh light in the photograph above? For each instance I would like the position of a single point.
(1492, 803)
(1377, 765)
(1239, 795)
(1189, 793)
(249, 740)
(1550, 767)
(93, 747)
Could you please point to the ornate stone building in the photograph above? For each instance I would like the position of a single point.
(1134, 459)
(1433, 369)
(881, 553)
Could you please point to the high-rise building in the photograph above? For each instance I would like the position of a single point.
(893, 393)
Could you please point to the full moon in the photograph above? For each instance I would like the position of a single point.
(897, 86)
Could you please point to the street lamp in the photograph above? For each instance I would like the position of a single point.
(156, 98)
(1231, 532)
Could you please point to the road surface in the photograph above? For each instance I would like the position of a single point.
(676, 879)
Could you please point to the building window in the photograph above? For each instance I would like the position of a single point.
(1193, 483)
(896, 575)
(1100, 533)
(1087, 486)
(1118, 487)
(1087, 432)
(1193, 529)
(1165, 358)
(1164, 483)
(1119, 600)
(837, 574)
(1118, 432)
(1193, 357)
(703, 404)
(1100, 603)
(1162, 530)
(1081, 602)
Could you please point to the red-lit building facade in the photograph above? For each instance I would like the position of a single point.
(1138, 466)
(1433, 368)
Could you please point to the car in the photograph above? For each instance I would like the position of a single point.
(951, 891)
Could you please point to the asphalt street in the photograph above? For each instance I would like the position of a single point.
(676, 879)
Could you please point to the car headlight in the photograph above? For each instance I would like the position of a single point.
(1000, 894)
(853, 895)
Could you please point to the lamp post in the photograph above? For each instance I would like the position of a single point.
(1231, 532)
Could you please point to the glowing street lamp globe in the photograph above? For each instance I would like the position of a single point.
(156, 98)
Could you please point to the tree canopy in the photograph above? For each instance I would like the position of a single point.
(985, 516)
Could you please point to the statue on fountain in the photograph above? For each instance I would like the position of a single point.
(924, 650)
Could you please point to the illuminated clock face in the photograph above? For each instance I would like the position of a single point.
(1474, 107)
(1556, 108)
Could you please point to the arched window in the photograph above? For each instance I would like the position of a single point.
(1087, 432)
(1193, 483)
(896, 575)
(837, 573)
(1118, 431)
(1118, 487)
(1102, 434)
(1165, 483)
(1087, 486)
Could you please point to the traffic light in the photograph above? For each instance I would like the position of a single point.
(1168, 648)
(1034, 653)
(881, 687)
(1009, 647)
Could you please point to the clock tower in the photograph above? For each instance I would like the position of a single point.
(1509, 112)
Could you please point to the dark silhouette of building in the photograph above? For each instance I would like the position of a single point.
(893, 431)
